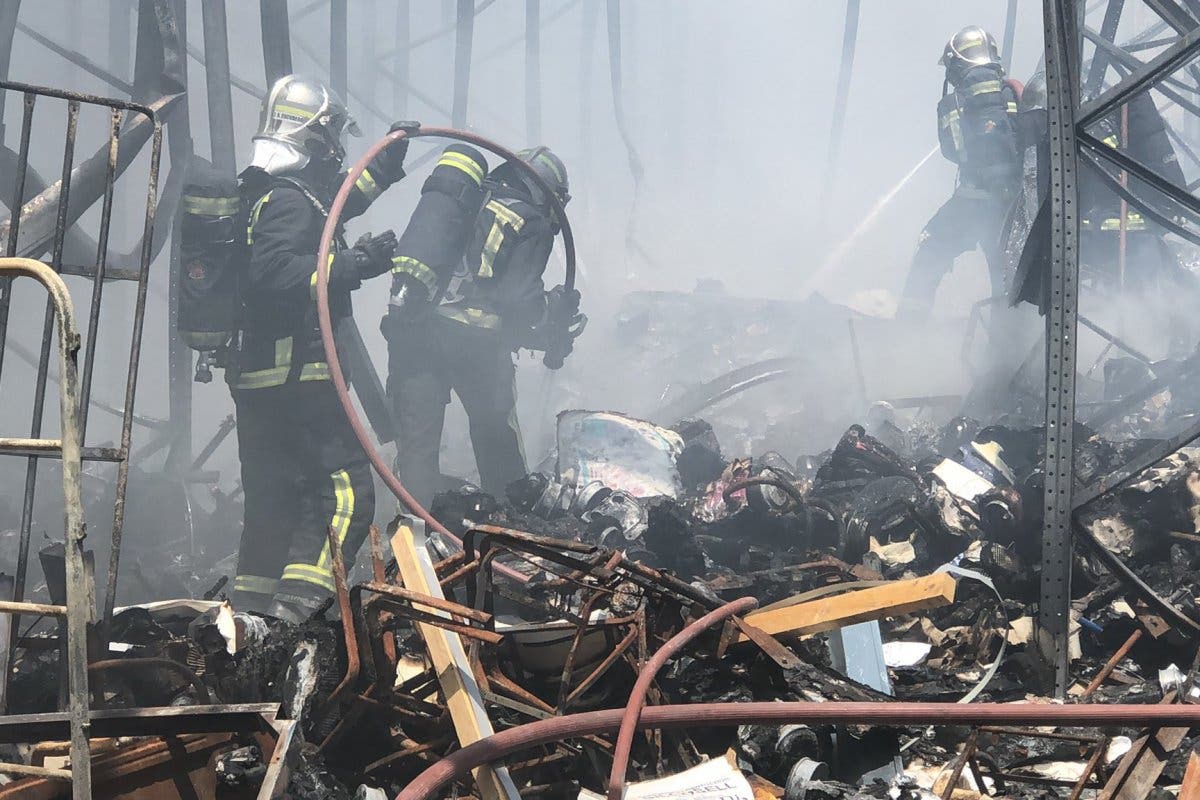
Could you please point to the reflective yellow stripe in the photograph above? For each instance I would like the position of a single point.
(283, 352)
(506, 215)
(491, 248)
(302, 114)
(950, 122)
(475, 317)
(495, 237)
(255, 583)
(983, 87)
(367, 185)
(343, 492)
(309, 574)
(254, 214)
(278, 375)
(210, 206)
(418, 269)
(464, 163)
(1134, 222)
(316, 371)
(549, 162)
(312, 280)
(1012, 107)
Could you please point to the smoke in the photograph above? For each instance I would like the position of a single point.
(729, 107)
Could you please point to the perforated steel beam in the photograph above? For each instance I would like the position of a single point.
(1062, 49)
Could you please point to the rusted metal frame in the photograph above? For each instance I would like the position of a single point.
(37, 217)
(644, 577)
(602, 668)
(349, 628)
(960, 763)
(574, 578)
(403, 608)
(637, 695)
(135, 349)
(386, 639)
(449, 564)
(581, 628)
(1112, 662)
(1033, 733)
(146, 664)
(1038, 780)
(412, 749)
(39, 394)
(386, 591)
(1093, 764)
(78, 613)
(89, 357)
(507, 685)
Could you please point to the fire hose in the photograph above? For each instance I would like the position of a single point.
(459, 764)
(326, 323)
(637, 697)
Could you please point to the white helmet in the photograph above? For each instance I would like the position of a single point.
(301, 119)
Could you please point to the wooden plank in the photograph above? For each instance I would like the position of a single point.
(829, 613)
(1141, 767)
(445, 649)
(1190, 790)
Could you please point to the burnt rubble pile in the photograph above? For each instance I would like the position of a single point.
(882, 572)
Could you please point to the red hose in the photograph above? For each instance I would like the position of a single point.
(326, 324)
(459, 764)
(637, 697)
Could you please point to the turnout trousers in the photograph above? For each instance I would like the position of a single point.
(429, 358)
(303, 472)
(962, 223)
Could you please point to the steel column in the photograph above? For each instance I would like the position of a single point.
(276, 39)
(401, 79)
(339, 65)
(533, 71)
(1062, 50)
(464, 35)
(220, 99)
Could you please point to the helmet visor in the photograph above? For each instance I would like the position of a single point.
(275, 156)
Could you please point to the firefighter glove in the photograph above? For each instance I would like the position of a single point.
(373, 254)
(387, 166)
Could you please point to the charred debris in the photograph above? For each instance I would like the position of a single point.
(879, 573)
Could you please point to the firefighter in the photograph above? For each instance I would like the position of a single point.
(479, 308)
(977, 131)
(1133, 255)
(302, 469)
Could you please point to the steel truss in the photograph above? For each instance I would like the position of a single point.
(1071, 142)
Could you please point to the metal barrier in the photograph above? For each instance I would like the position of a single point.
(68, 447)
(37, 226)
